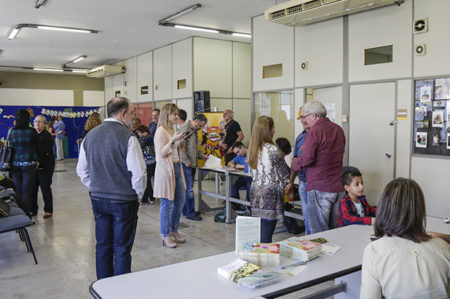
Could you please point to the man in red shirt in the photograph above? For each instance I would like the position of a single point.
(323, 153)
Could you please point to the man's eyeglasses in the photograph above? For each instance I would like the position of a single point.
(305, 116)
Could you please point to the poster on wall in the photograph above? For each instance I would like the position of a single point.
(421, 112)
(438, 118)
(424, 91)
(442, 89)
(421, 139)
(436, 139)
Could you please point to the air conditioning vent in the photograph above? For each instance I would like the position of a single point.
(105, 71)
(301, 12)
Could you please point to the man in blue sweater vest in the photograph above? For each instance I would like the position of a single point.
(112, 167)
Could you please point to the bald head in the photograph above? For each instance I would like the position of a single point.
(116, 105)
(228, 115)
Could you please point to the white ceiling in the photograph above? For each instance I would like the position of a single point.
(126, 28)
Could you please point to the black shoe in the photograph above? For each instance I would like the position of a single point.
(195, 218)
(197, 214)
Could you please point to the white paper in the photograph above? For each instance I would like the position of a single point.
(248, 229)
(330, 248)
(213, 162)
(421, 139)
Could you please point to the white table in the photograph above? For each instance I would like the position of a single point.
(230, 177)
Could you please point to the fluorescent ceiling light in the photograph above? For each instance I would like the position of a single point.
(47, 70)
(78, 59)
(13, 33)
(180, 13)
(242, 35)
(196, 28)
(63, 29)
(79, 71)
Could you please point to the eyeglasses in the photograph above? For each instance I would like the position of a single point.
(305, 116)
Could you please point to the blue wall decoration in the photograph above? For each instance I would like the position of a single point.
(73, 117)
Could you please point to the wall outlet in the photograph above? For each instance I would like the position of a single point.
(420, 49)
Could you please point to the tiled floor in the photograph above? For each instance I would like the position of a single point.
(65, 244)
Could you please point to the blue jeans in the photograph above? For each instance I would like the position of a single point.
(323, 210)
(189, 205)
(242, 183)
(267, 229)
(304, 202)
(115, 228)
(24, 180)
(170, 210)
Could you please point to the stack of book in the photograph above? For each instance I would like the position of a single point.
(299, 249)
(260, 253)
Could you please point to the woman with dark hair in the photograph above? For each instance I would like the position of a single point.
(24, 158)
(269, 172)
(405, 262)
(46, 168)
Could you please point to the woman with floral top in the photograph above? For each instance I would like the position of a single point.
(269, 171)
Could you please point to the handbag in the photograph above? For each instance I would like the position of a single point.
(5, 154)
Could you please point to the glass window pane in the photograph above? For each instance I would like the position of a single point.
(279, 105)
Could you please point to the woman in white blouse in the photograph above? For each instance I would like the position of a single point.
(405, 262)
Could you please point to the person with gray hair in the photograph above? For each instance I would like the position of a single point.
(112, 167)
(189, 156)
(322, 156)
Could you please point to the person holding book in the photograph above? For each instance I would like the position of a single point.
(405, 262)
(353, 208)
(269, 172)
(240, 162)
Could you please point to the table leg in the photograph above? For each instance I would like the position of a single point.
(227, 195)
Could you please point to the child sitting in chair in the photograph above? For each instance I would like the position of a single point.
(353, 208)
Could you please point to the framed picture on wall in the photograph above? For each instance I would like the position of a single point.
(438, 119)
(442, 89)
(421, 139)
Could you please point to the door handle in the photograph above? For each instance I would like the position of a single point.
(388, 155)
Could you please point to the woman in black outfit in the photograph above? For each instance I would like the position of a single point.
(24, 158)
(46, 168)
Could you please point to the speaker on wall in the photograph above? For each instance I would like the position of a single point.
(420, 25)
(201, 101)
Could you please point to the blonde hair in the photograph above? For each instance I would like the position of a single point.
(45, 121)
(261, 133)
(92, 121)
(166, 111)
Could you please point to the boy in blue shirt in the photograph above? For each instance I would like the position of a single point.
(240, 162)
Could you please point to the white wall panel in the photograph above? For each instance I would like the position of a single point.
(130, 79)
(299, 99)
(272, 44)
(432, 175)
(404, 99)
(242, 70)
(186, 105)
(390, 25)
(108, 89)
(242, 114)
(93, 98)
(145, 76)
(213, 66)
(36, 97)
(182, 68)
(436, 60)
(118, 85)
(331, 96)
(321, 45)
(162, 73)
(221, 104)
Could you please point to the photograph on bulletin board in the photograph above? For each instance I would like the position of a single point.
(431, 117)
(211, 136)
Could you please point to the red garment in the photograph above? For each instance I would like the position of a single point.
(348, 214)
(323, 153)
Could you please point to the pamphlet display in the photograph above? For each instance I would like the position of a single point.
(431, 117)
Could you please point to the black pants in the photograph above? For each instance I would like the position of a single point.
(24, 179)
(44, 180)
(148, 194)
(267, 229)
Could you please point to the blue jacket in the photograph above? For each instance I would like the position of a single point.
(298, 151)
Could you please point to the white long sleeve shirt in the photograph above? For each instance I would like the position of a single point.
(135, 164)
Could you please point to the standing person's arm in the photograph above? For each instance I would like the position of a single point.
(82, 167)
(136, 165)
(308, 155)
(279, 163)
(186, 156)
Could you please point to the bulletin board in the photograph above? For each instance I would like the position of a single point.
(73, 117)
(432, 117)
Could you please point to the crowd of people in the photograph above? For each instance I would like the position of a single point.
(119, 157)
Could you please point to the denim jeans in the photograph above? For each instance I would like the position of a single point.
(44, 180)
(304, 202)
(115, 228)
(189, 205)
(170, 210)
(242, 183)
(267, 229)
(148, 194)
(24, 179)
(59, 148)
(323, 210)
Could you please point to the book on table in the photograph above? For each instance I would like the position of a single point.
(300, 249)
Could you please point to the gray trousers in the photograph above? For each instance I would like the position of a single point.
(323, 210)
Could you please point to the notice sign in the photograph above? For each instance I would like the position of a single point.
(402, 114)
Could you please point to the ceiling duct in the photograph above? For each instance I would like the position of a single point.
(105, 71)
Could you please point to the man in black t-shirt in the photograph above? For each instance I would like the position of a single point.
(233, 134)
